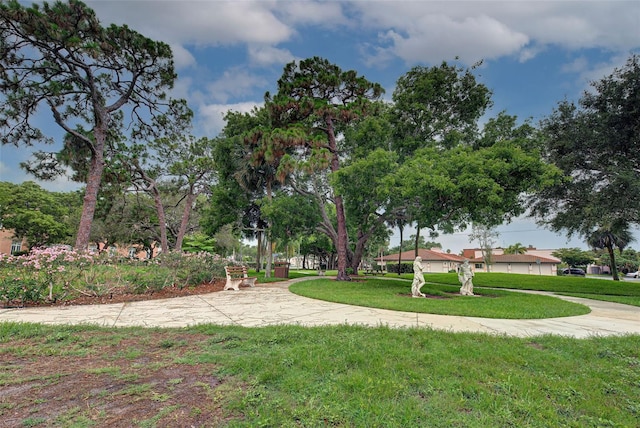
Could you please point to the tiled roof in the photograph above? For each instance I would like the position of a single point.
(427, 256)
(517, 258)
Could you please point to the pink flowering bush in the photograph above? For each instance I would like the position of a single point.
(17, 284)
(42, 274)
(59, 273)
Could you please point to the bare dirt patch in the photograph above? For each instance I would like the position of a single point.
(120, 296)
(114, 381)
(101, 378)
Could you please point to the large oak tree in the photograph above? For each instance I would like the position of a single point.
(59, 57)
(315, 99)
(596, 144)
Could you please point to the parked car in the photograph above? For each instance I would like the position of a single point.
(573, 271)
(633, 274)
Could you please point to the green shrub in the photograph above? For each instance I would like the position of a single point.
(404, 267)
(190, 269)
(59, 274)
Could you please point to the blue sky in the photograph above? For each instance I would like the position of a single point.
(229, 53)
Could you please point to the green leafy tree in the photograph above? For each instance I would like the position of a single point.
(194, 170)
(364, 185)
(486, 237)
(291, 216)
(320, 247)
(367, 161)
(59, 56)
(574, 256)
(437, 106)
(610, 237)
(595, 144)
(247, 172)
(314, 100)
(40, 216)
(628, 260)
(410, 244)
(198, 243)
(449, 189)
(516, 248)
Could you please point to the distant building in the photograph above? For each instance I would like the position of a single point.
(9, 244)
(433, 260)
(518, 263)
(533, 262)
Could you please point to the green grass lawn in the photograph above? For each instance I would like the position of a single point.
(342, 376)
(292, 376)
(568, 284)
(503, 305)
(396, 295)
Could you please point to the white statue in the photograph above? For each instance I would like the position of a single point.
(465, 276)
(418, 278)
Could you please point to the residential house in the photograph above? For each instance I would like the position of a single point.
(9, 244)
(533, 262)
(433, 261)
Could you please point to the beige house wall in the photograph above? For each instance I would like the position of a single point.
(523, 268)
(6, 241)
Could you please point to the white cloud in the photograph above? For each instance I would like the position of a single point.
(234, 83)
(578, 65)
(212, 115)
(10, 171)
(322, 13)
(268, 55)
(594, 24)
(596, 72)
(588, 72)
(425, 31)
(182, 57)
(529, 52)
(422, 30)
(438, 37)
(204, 23)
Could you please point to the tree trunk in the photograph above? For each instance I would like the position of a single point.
(94, 177)
(401, 227)
(186, 213)
(267, 269)
(614, 267)
(164, 244)
(417, 239)
(356, 257)
(259, 252)
(343, 237)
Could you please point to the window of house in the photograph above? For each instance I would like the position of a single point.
(16, 246)
(478, 265)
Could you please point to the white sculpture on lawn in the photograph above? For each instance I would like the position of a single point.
(418, 278)
(465, 276)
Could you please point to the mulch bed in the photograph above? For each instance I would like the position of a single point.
(122, 295)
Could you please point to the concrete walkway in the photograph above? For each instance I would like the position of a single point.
(272, 304)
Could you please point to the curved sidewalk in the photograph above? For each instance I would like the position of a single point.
(273, 304)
